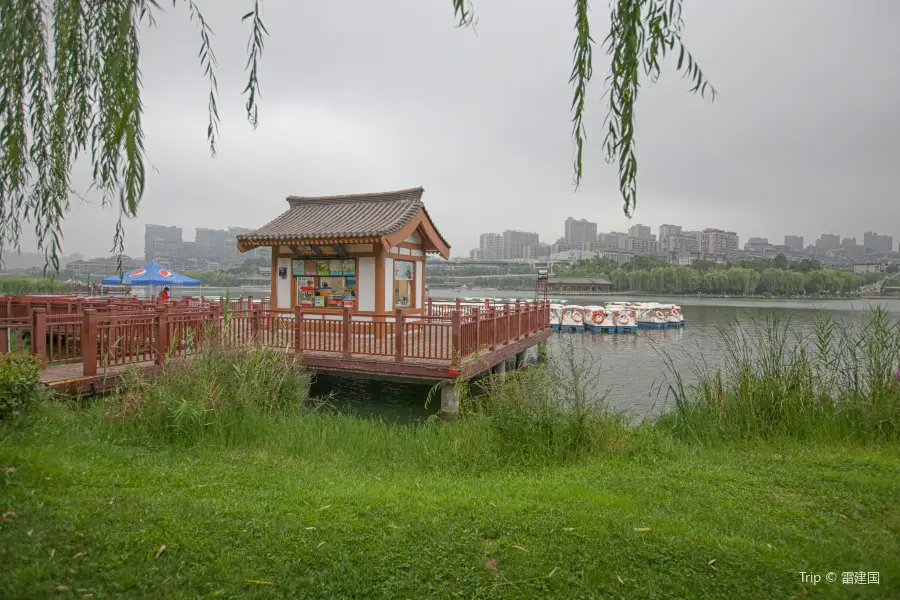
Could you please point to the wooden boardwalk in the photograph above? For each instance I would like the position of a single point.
(88, 353)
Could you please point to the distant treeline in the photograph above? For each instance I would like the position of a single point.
(736, 280)
(774, 277)
(17, 286)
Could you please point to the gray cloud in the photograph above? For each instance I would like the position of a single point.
(363, 96)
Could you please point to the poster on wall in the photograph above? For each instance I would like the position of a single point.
(349, 267)
(322, 268)
(309, 268)
(335, 268)
(403, 270)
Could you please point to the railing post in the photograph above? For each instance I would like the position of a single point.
(458, 303)
(345, 330)
(4, 340)
(299, 335)
(162, 335)
(399, 334)
(430, 312)
(508, 327)
(455, 348)
(254, 324)
(518, 319)
(39, 334)
(89, 342)
(476, 317)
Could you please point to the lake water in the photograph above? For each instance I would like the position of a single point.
(631, 367)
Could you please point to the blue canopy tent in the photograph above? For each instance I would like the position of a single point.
(152, 274)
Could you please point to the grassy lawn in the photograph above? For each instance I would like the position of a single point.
(339, 507)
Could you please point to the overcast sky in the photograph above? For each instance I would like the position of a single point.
(362, 96)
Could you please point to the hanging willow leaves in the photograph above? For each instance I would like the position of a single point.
(83, 98)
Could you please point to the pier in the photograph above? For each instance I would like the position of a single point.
(86, 345)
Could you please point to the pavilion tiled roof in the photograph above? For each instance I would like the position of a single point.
(340, 217)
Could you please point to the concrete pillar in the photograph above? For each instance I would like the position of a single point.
(520, 360)
(449, 402)
(543, 352)
(500, 370)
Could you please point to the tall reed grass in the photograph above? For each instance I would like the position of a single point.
(552, 411)
(213, 395)
(838, 381)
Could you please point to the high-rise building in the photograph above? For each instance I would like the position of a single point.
(162, 242)
(718, 242)
(640, 245)
(491, 246)
(538, 251)
(828, 241)
(878, 243)
(514, 243)
(680, 244)
(848, 243)
(666, 231)
(476, 254)
(580, 231)
(611, 239)
(640, 231)
(794, 242)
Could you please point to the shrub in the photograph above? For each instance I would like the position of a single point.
(20, 383)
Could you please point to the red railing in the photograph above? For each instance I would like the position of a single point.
(106, 335)
(62, 339)
(126, 339)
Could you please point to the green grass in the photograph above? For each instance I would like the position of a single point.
(336, 506)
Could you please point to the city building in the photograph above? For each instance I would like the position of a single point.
(491, 246)
(640, 245)
(878, 243)
(612, 239)
(869, 268)
(580, 231)
(476, 254)
(718, 242)
(514, 243)
(667, 231)
(539, 251)
(848, 243)
(680, 243)
(641, 232)
(161, 242)
(828, 241)
(758, 245)
(795, 242)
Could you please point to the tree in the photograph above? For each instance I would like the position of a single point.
(70, 87)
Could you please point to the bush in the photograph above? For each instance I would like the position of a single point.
(220, 394)
(20, 383)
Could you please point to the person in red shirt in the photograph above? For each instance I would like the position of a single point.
(164, 294)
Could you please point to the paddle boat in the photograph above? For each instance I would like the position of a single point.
(652, 315)
(593, 317)
(623, 317)
(572, 318)
(555, 316)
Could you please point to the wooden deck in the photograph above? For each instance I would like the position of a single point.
(87, 353)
